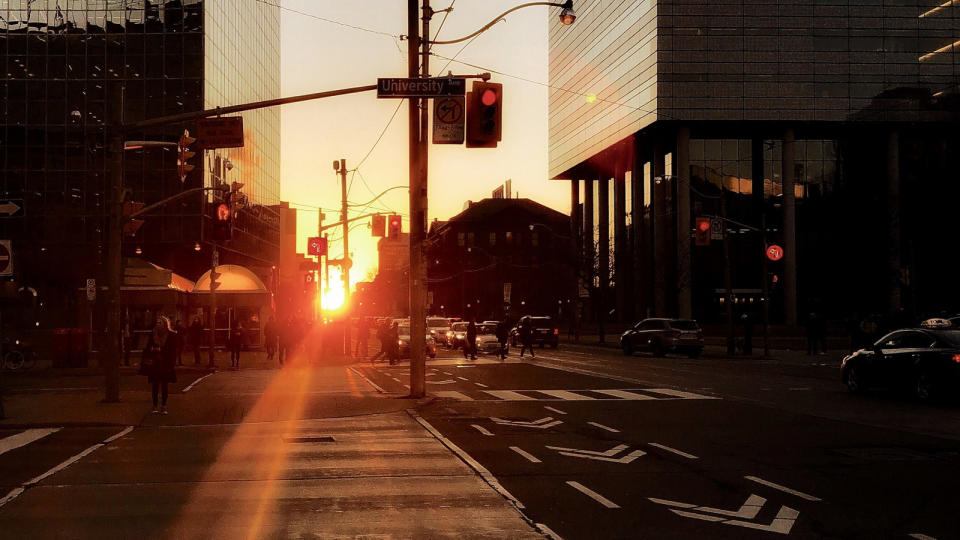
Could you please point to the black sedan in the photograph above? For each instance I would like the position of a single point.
(923, 361)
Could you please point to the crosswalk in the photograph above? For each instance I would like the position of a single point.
(630, 394)
(23, 438)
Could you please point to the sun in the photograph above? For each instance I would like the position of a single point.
(332, 296)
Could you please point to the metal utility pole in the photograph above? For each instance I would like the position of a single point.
(111, 364)
(345, 267)
(766, 283)
(418, 200)
(727, 279)
(214, 262)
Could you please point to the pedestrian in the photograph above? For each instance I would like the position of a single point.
(503, 329)
(393, 344)
(470, 341)
(747, 322)
(161, 352)
(195, 337)
(235, 343)
(285, 338)
(270, 338)
(363, 336)
(526, 336)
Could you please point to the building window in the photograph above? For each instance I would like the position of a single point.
(469, 239)
(493, 239)
(460, 239)
(509, 236)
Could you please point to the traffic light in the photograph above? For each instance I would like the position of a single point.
(223, 223)
(396, 226)
(702, 231)
(484, 112)
(183, 154)
(378, 224)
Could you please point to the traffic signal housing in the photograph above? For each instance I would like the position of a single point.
(379, 225)
(396, 226)
(223, 223)
(484, 114)
(184, 154)
(702, 232)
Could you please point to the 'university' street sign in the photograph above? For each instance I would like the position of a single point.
(421, 88)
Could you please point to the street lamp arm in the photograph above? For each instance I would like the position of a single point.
(182, 194)
(340, 223)
(384, 192)
(497, 19)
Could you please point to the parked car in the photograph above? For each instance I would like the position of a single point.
(487, 342)
(662, 336)
(437, 327)
(923, 361)
(545, 332)
(458, 333)
(403, 331)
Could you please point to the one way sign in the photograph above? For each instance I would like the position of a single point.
(11, 207)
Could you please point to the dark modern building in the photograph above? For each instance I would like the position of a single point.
(67, 64)
(832, 123)
(501, 253)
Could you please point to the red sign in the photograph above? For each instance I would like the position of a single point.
(774, 252)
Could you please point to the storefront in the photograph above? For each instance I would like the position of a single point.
(239, 297)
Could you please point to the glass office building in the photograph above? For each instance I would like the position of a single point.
(65, 61)
(832, 121)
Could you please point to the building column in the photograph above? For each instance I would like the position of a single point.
(603, 245)
(589, 257)
(658, 214)
(893, 221)
(789, 229)
(575, 219)
(638, 232)
(684, 228)
(621, 251)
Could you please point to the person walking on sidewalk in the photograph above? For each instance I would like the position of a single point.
(526, 336)
(393, 345)
(470, 340)
(363, 336)
(235, 343)
(195, 338)
(270, 338)
(382, 332)
(503, 329)
(161, 352)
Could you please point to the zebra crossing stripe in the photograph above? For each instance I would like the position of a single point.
(677, 393)
(509, 395)
(24, 438)
(571, 395)
(623, 394)
(566, 395)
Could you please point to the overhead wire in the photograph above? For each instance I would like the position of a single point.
(332, 21)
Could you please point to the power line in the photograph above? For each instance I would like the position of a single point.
(324, 19)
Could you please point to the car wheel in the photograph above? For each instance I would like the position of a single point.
(924, 388)
(853, 380)
(627, 348)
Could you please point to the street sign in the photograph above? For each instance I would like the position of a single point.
(6, 258)
(774, 252)
(224, 132)
(420, 88)
(716, 229)
(448, 120)
(91, 289)
(317, 246)
(11, 207)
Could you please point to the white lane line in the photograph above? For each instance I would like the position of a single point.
(481, 470)
(509, 395)
(601, 426)
(623, 394)
(396, 379)
(920, 536)
(448, 373)
(465, 366)
(482, 429)
(566, 395)
(24, 438)
(677, 393)
(16, 492)
(371, 383)
(784, 489)
(407, 386)
(530, 457)
(548, 532)
(194, 383)
(481, 385)
(463, 378)
(551, 409)
(674, 450)
(593, 494)
(453, 394)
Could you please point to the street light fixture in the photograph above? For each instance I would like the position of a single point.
(567, 16)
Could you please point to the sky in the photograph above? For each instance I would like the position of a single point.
(319, 55)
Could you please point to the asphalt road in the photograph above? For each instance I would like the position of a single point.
(591, 444)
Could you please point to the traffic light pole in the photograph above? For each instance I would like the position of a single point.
(214, 262)
(345, 268)
(111, 365)
(418, 190)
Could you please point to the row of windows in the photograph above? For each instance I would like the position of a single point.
(468, 239)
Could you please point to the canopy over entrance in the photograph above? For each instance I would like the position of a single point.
(233, 279)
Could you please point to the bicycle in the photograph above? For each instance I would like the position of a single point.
(17, 357)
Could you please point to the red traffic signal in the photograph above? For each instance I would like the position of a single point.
(223, 223)
(702, 232)
(484, 115)
(396, 226)
(183, 154)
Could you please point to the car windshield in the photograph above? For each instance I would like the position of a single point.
(486, 329)
(459, 327)
(684, 324)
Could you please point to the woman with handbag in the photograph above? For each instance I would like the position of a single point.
(160, 355)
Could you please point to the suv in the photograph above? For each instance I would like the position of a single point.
(662, 336)
(438, 327)
(544, 331)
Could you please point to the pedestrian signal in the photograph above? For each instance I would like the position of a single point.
(484, 115)
(223, 223)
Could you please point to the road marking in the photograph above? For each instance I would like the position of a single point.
(592, 494)
(483, 430)
(601, 426)
(24, 438)
(677, 393)
(16, 492)
(782, 523)
(463, 378)
(371, 383)
(611, 452)
(481, 470)
(623, 394)
(919, 536)
(566, 395)
(748, 510)
(452, 394)
(525, 454)
(194, 383)
(407, 386)
(465, 366)
(445, 381)
(674, 450)
(543, 423)
(396, 379)
(481, 385)
(548, 532)
(770, 484)
(601, 456)
(448, 373)
(551, 409)
(509, 395)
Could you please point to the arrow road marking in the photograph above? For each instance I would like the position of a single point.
(601, 456)
(601, 426)
(593, 494)
(611, 452)
(542, 423)
(530, 457)
(784, 489)
(674, 450)
(482, 429)
(781, 524)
